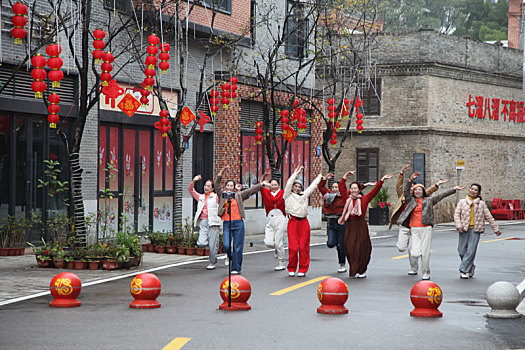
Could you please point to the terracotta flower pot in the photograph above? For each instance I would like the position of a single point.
(59, 263)
(181, 249)
(80, 265)
(43, 263)
(12, 251)
(138, 260)
(4, 251)
(70, 265)
(151, 248)
(170, 249)
(200, 251)
(190, 250)
(160, 249)
(21, 251)
(207, 252)
(109, 264)
(93, 264)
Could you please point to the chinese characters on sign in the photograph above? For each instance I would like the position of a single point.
(482, 107)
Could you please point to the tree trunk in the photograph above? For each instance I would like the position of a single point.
(276, 174)
(78, 201)
(177, 194)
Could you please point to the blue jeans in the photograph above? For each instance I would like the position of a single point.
(336, 236)
(237, 231)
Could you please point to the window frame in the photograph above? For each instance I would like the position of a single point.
(295, 43)
(370, 96)
(360, 176)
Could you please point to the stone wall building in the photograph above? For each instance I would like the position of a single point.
(443, 99)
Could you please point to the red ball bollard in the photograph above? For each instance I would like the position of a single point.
(65, 288)
(145, 288)
(241, 291)
(426, 296)
(333, 294)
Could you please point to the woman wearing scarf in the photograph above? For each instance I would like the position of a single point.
(358, 247)
(419, 217)
(334, 203)
(296, 204)
(469, 218)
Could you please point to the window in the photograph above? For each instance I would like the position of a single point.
(367, 165)
(296, 30)
(224, 5)
(372, 98)
(253, 19)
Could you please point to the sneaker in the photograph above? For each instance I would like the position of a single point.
(235, 272)
(291, 273)
(279, 267)
(412, 272)
(463, 275)
(210, 267)
(342, 268)
(226, 261)
(301, 274)
(425, 277)
(471, 272)
(361, 275)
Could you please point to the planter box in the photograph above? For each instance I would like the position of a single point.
(170, 249)
(190, 250)
(60, 263)
(378, 216)
(4, 251)
(181, 249)
(93, 265)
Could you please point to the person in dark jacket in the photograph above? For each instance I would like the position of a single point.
(333, 204)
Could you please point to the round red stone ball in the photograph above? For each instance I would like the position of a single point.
(333, 294)
(65, 288)
(426, 296)
(145, 288)
(241, 292)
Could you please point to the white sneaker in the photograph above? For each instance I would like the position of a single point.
(361, 275)
(280, 267)
(291, 273)
(463, 275)
(235, 272)
(210, 267)
(342, 268)
(412, 272)
(425, 277)
(226, 261)
(301, 274)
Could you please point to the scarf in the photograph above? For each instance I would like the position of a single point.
(330, 197)
(350, 209)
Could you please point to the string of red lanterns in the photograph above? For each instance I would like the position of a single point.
(258, 132)
(106, 68)
(164, 125)
(358, 115)
(214, 102)
(53, 110)
(164, 57)
(55, 63)
(152, 50)
(226, 94)
(19, 21)
(39, 74)
(98, 44)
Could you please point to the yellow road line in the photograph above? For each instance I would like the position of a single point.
(405, 256)
(499, 239)
(176, 344)
(299, 285)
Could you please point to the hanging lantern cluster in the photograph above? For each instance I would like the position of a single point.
(19, 21)
(55, 63)
(164, 57)
(203, 120)
(144, 100)
(106, 68)
(53, 110)
(331, 108)
(258, 132)
(233, 87)
(164, 125)
(152, 50)
(358, 115)
(39, 74)
(214, 102)
(226, 94)
(346, 108)
(299, 114)
(98, 44)
(285, 120)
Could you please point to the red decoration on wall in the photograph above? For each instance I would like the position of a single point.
(290, 134)
(98, 44)
(258, 132)
(19, 21)
(186, 116)
(112, 91)
(164, 125)
(203, 120)
(39, 74)
(106, 67)
(53, 110)
(164, 57)
(129, 105)
(481, 107)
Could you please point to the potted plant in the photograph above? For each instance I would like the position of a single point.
(13, 233)
(122, 255)
(59, 256)
(109, 262)
(42, 254)
(378, 214)
(80, 258)
(171, 245)
(69, 260)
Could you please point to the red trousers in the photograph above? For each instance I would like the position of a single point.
(298, 244)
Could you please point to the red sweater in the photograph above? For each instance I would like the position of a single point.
(272, 202)
(337, 206)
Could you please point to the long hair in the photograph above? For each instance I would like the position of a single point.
(479, 189)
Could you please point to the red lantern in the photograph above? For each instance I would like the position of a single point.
(39, 74)
(106, 68)
(153, 39)
(19, 21)
(164, 125)
(151, 60)
(234, 80)
(359, 116)
(98, 44)
(331, 101)
(164, 57)
(258, 132)
(53, 110)
(55, 63)
(144, 99)
(232, 87)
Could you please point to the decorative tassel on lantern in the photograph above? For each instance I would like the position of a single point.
(258, 132)
(106, 67)
(164, 57)
(53, 110)
(98, 44)
(214, 102)
(55, 63)
(152, 50)
(39, 74)
(164, 125)
(19, 21)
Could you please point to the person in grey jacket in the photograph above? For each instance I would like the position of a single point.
(231, 211)
(418, 216)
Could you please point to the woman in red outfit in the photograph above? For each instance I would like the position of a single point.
(358, 247)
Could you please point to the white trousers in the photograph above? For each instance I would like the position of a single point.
(419, 246)
(274, 234)
(403, 237)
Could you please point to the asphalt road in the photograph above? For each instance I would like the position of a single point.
(379, 306)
